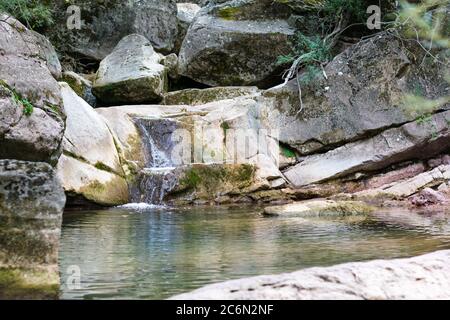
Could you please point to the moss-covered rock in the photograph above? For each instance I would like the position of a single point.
(31, 205)
(196, 97)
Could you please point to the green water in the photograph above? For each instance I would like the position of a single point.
(156, 253)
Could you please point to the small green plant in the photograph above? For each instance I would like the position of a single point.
(28, 107)
(35, 14)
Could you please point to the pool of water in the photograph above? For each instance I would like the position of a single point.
(155, 253)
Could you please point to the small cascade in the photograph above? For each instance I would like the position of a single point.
(158, 178)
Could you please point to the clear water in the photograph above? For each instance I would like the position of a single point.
(154, 253)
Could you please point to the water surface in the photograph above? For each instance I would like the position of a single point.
(159, 252)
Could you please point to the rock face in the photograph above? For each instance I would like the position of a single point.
(132, 73)
(220, 137)
(90, 166)
(424, 277)
(414, 140)
(363, 95)
(236, 43)
(31, 206)
(196, 97)
(186, 14)
(31, 112)
(106, 23)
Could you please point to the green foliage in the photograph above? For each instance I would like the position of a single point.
(354, 9)
(312, 49)
(287, 152)
(27, 106)
(35, 14)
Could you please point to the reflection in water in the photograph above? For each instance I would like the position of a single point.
(157, 253)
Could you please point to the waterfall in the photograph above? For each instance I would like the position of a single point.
(158, 177)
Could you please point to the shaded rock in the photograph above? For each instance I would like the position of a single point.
(364, 94)
(31, 109)
(236, 43)
(194, 97)
(132, 73)
(105, 23)
(81, 86)
(424, 277)
(411, 141)
(31, 206)
(320, 208)
(90, 165)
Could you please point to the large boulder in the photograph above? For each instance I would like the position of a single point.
(364, 94)
(414, 140)
(132, 73)
(237, 43)
(105, 23)
(424, 277)
(31, 207)
(90, 166)
(31, 113)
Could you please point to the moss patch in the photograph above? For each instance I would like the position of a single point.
(28, 284)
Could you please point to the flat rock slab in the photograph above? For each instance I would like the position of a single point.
(424, 277)
(320, 208)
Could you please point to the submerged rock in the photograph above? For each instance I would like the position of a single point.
(132, 73)
(31, 111)
(237, 43)
(90, 165)
(320, 208)
(424, 277)
(31, 206)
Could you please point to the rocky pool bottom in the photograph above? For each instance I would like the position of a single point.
(155, 252)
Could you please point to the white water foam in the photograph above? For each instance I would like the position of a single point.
(140, 206)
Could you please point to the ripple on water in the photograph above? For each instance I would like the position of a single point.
(160, 251)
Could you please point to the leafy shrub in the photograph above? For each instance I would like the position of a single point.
(35, 14)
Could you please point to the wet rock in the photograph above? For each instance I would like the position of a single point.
(31, 206)
(132, 73)
(411, 141)
(107, 22)
(31, 112)
(90, 166)
(237, 43)
(196, 183)
(320, 208)
(424, 277)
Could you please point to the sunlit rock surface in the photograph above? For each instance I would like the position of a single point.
(424, 277)
(90, 164)
(31, 111)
